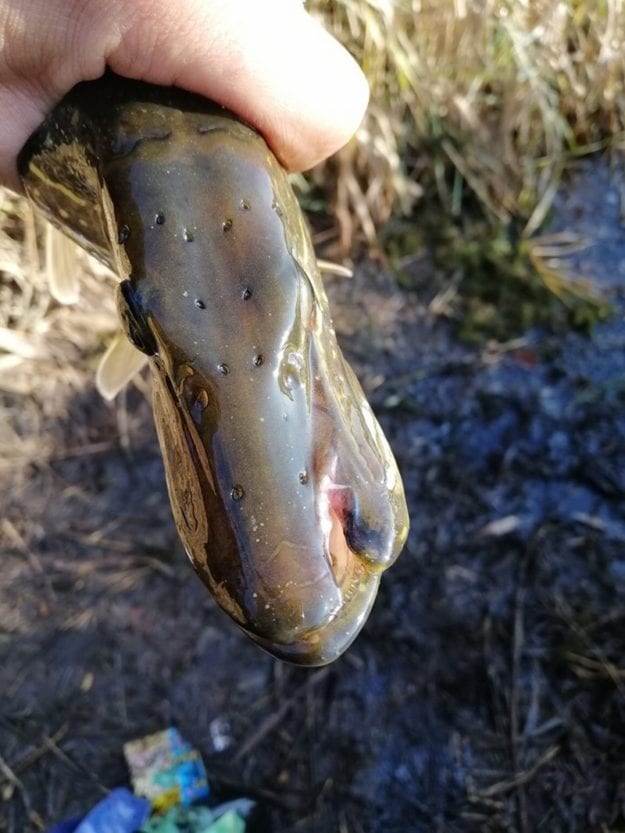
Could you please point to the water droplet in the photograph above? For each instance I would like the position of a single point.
(199, 303)
(276, 208)
(246, 294)
(226, 225)
(237, 492)
(303, 477)
(123, 234)
(223, 369)
(257, 360)
(244, 204)
(159, 218)
(187, 235)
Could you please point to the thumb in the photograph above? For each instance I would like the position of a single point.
(268, 61)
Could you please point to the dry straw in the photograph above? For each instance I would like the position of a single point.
(472, 101)
(480, 99)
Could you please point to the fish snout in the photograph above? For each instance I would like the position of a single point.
(314, 598)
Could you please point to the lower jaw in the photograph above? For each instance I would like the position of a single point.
(322, 645)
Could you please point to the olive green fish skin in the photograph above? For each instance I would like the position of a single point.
(284, 490)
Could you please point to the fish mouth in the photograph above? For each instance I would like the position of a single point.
(355, 577)
(324, 643)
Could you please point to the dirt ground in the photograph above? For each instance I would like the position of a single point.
(486, 692)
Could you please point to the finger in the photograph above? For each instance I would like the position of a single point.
(269, 62)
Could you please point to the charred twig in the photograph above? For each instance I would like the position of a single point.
(591, 668)
(275, 719)
(288, 801)
(596, 663)
(515, 738)
(15, 783)
(521, 778)
(51, 744)
(33, 755)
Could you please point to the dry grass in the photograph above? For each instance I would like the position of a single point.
(475, 100)
(41, 340)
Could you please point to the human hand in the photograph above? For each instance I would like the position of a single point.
(266, 60)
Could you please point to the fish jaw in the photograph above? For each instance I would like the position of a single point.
(324, 644)
(296, 566)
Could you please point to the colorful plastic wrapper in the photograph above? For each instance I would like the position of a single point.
(195, 820)
(166, 770)
(119, 812)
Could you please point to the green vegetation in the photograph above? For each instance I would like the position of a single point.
(506, 287)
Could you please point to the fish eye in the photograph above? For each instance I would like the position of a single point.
(133, 319)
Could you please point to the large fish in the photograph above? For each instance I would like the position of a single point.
(284, 489)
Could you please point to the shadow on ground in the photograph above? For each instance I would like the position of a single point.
(485, 693)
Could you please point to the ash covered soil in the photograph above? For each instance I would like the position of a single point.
(486, 692)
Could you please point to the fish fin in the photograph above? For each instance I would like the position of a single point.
(61, 266)
(331, 268)
(117, 366)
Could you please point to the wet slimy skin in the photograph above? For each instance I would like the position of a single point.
(284, 489)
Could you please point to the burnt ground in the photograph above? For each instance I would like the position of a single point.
(486, 692)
